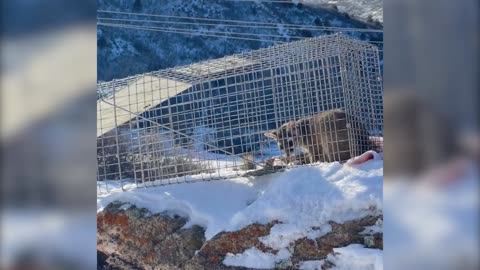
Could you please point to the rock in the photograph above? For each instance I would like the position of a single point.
(213, 252)
(306, 250)
(374, 241)
(133, 238)
(341, 235)
(346, 233)
(113, 262)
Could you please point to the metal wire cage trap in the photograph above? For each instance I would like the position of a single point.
(207, 120)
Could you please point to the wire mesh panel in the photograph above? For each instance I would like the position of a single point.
(315, 100)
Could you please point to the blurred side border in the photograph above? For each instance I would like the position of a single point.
(48, 82)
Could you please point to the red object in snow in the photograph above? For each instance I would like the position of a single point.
(361, 159)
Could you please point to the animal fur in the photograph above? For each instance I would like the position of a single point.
(324, 137)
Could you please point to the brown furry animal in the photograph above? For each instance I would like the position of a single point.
(324, 137)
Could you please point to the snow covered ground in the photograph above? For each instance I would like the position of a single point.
(299, 198)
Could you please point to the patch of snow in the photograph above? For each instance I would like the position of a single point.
(312, 265)
(377, 228)
(281, 235)
(356, 257)
(255, 258)
(323, 230)
(125, 206)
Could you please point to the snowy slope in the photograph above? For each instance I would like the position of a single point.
(358, 8)
(299, 199)
(123, 52)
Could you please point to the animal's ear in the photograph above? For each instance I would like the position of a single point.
(292, 124)
(272, 135)
(293, 127)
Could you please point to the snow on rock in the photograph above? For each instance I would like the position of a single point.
(281, 235)
(254, 258)
(208, 204)
(377, 228)
(300, 197)
(272, 220)
(355, 256)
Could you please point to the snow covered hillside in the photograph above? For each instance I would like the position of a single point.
(123, 52)
(362, 9)
(301, 202)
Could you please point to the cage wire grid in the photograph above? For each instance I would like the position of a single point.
(206, 121)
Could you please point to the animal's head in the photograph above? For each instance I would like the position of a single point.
(285, 136)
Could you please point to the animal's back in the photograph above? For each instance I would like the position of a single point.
(334, 138)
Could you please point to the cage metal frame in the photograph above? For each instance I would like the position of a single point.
(207, 120)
